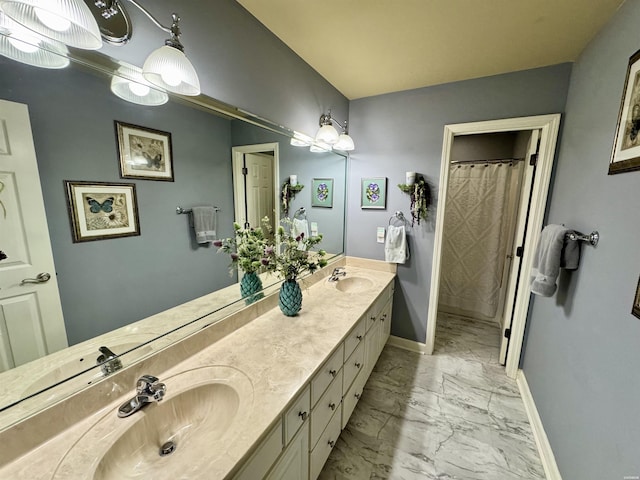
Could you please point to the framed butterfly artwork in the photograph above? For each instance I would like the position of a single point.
(144, 152)
(100, 210)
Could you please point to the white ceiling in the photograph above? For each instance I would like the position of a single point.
(370, 47)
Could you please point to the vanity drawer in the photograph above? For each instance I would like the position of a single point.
(355, 338)
(296, 415)
(327, 441)
(329, 403)
(327, 373)
(352, 366)
(352, 396)
(264, 457)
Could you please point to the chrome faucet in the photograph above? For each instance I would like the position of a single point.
(148, 390)
(108, 361)
(337, 272)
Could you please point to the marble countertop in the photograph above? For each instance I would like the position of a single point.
(278, 355)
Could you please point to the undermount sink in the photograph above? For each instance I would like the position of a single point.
(353, 284)
(202, 413)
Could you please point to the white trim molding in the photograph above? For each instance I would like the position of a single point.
(542, 442)
(405, 344)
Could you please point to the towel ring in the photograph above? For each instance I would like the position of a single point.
(398, 216)
(300, 213)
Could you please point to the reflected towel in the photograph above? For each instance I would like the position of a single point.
(204, 223)
(300, 226)
(395, 248)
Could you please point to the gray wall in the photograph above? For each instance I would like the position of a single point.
(403, 131)
(582, 356)
(238, 61)
(110, 283)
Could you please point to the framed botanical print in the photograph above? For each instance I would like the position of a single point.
(373, 192)
(636, 302)
(625, 156)
(100, 210)
(144, 153)
(322, 192)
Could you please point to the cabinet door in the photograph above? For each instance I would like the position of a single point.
(385, 325)
(294, 463)
(372, 347)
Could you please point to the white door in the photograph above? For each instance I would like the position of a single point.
(516, 257)
(259, 187)
(31, 322)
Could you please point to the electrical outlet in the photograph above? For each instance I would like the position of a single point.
(380, 235)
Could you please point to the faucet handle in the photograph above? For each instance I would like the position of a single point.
(146, 384)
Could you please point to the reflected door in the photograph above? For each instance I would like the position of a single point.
(259, 187)
(28, 285)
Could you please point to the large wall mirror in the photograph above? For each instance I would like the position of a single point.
(112, 283)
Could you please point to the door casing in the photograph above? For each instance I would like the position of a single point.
(549, 126)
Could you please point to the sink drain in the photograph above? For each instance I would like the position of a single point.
(167, 449)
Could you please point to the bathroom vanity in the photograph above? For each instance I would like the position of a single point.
(256, 395)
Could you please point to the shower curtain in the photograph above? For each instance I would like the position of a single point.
(480, 211)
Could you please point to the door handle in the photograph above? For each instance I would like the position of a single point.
(41, 278)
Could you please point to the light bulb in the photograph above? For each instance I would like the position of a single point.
(139, 89)
(171, 77)
(53, 21)
(24, 42)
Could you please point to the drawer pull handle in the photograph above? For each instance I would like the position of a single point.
(373, 317)
(333, 373)
(303, 415)
(331, 443)
(358, 364)
(357, 395)
(332, 406)
(359, 337)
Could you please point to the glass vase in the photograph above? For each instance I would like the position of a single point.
(251, 288)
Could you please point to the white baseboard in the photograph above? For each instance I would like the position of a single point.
(405, 344)
(542, 442)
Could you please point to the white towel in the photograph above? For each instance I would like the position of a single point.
(204, 223)
(395, 247)
(300, 226)
(547, 260)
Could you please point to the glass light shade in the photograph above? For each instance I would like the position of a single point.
(327, 134)
(320, 147)
(132, 87)
(345, 143)
(171, 70)
(24, 46)
(66, 21)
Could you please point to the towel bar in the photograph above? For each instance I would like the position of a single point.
(593, 238)
(185, 211)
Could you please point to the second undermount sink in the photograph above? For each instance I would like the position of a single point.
(353, 284)
(202, 413)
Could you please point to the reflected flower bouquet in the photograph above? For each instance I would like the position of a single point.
(249, 249)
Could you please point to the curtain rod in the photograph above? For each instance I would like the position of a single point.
(481, 162)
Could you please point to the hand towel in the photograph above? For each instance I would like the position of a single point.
(554, 251)
(300, 226)
(396, 249)
(204, 223)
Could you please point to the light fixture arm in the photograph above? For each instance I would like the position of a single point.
(327, 119)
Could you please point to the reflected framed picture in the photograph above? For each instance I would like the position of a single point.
(625, 156)
(636, 302)
(144, 153)
(99, 210)
(322, 192)
(373, 192)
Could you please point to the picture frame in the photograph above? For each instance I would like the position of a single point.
(144, 153)
(322, 192)
(373, 193)
(635, 310)
(102, 210)
(625, 155)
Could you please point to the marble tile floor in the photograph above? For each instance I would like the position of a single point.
(451, 415)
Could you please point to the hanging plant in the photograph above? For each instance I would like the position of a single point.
(420, 194)
(287, 193)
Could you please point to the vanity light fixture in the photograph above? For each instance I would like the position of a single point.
(67, 21)
(75, 24)
(329, 135)
(25, 46)
(129, 84)
(300, 140)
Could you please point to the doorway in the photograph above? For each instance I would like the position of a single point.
(512, 242)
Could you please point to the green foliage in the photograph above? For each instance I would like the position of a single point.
(287, 193)
(247, 248)
(420, 198)
(295, 256)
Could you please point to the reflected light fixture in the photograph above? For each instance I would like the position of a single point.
(327, 133)
(129, 84)
(25, 46)
(79, 25)
(300, 140)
